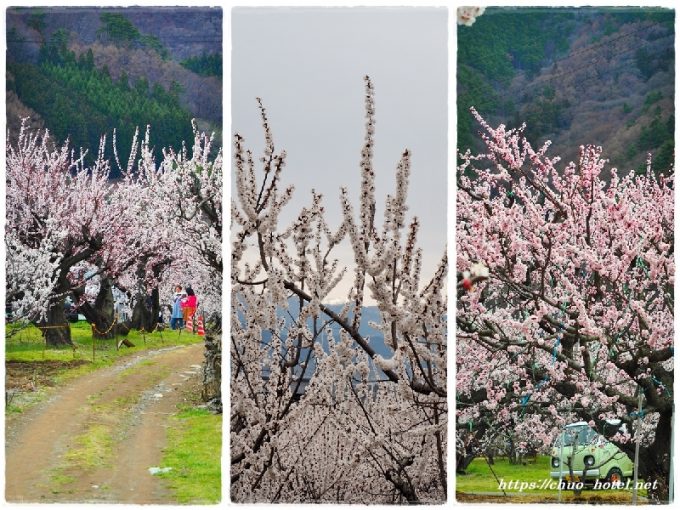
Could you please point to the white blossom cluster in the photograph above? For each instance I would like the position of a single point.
(318, 415)
(180, 203)
(68, 226)
(58, 215)
(32, 289)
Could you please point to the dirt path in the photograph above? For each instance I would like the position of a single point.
(96, 439)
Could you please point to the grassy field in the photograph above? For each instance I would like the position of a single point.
(480, 485)
(27, 344)
(193, 452)
(31, 366)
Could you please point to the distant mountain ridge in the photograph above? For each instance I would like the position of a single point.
(184, 31)
(93, 59)
(369, 314)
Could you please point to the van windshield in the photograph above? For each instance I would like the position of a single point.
(572, 436)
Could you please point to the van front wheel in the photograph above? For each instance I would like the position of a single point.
(615, 476)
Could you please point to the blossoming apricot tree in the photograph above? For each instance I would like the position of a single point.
(575, 317)
(58, 216)
(178, 204)
(71, 232)
(317, 413)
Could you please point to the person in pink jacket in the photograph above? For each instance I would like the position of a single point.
(189, 304)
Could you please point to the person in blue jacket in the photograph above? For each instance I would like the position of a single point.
(176, 319)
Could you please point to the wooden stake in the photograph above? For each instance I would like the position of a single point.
(637, 447)
(559, 486)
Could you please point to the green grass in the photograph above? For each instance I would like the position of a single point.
(193, 451)
(28, 345)
(59, 480)
(91, 449)
(480, 479)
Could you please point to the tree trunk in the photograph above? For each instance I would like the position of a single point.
(139, 312)
(403, 486)
(101, 314)
(512, 454)
(465, 455)
(575, 486)
(58, 330)
(212, 373)
(145, 312)
(463, 460)
(147, 306)
(655, 460)
(441, 453)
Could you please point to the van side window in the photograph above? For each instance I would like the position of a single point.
(592, 436)
(583, 435)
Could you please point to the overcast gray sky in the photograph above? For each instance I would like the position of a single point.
(307, 65)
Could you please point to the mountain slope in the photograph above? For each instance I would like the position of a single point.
(87, 71)
(575, 76)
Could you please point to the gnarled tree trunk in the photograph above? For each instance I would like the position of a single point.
(147, 306)
(146, 310)
(655, 461)
(212, 372)
(57, 330)
(101, 314)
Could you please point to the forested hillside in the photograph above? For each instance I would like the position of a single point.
(84, 72)
(574, 76)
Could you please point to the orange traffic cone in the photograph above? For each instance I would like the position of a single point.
(190, 324)
(201, 331)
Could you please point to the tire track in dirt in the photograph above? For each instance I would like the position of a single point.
(96, 438)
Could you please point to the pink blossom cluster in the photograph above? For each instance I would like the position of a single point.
(68, 225)
(576, 315)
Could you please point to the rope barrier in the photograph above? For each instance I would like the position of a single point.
(104, 333)
(143, 330)
(96, 330)
(54, 326)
